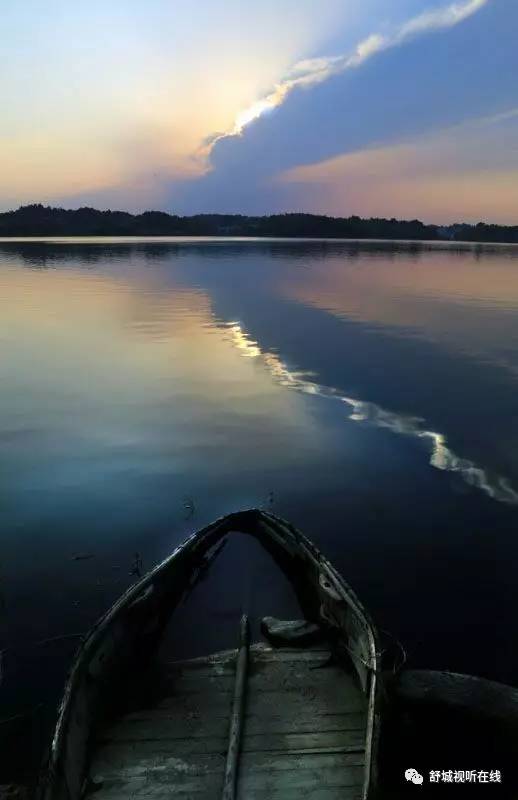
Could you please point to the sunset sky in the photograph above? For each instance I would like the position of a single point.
(405, 108)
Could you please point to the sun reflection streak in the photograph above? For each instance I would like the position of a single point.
(441, 456)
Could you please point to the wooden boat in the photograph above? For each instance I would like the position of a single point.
(256, 722)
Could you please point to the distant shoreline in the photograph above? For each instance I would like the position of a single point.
(215, 239)
(38, 221)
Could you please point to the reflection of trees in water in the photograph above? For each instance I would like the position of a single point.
(48, 254)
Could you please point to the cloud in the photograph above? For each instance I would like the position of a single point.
(439, 18)
(395, 86)
(312, 71)
(468, 172)
(150, 71)
(373, 103)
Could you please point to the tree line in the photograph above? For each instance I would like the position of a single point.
(40, 220)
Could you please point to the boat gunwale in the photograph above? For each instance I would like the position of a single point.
(255, 522)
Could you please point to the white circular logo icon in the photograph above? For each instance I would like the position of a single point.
(414, 776)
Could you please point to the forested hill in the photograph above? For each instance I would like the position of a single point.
(39, 220)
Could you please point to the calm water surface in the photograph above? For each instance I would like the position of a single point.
(365, 391)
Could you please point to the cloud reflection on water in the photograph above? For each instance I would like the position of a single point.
(441, 456)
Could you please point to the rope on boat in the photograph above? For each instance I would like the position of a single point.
(396, 668)
(403, 653)
(238, 709)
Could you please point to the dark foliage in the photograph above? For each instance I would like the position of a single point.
(485, 233)
(39, 220)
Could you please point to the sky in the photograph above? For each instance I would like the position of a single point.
(405, 108)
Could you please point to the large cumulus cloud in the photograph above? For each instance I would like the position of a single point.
(430, 73)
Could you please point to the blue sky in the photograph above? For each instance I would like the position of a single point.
(405, 108)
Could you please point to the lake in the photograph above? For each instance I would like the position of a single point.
(365, 391)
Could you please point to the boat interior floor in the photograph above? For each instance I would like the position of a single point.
(303, 732)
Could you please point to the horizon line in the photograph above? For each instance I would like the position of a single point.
(254, 216)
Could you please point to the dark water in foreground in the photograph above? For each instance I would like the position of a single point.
(365, 391)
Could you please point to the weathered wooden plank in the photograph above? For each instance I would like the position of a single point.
(334, 739)
(152, 793)
(271, 676)
(266, 647)
(166, 793)
(303, 721)
(195, 703)
(128, 763)
(135, 788)
(220, 668)
(312, 660)
(310, 696)
(190, 682)
(328, 793)
(263, 653)
(273, 762)
(310, 778)
(321, 741)
(292, 781)
(316, 695)
(260, 653)
(304, 731)
(227, 668)
(163, 768)
(322, 746)
(221, 656)
(308, 671)
(294, 675)
(182, 747)
(211, 790)
(167, 728)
